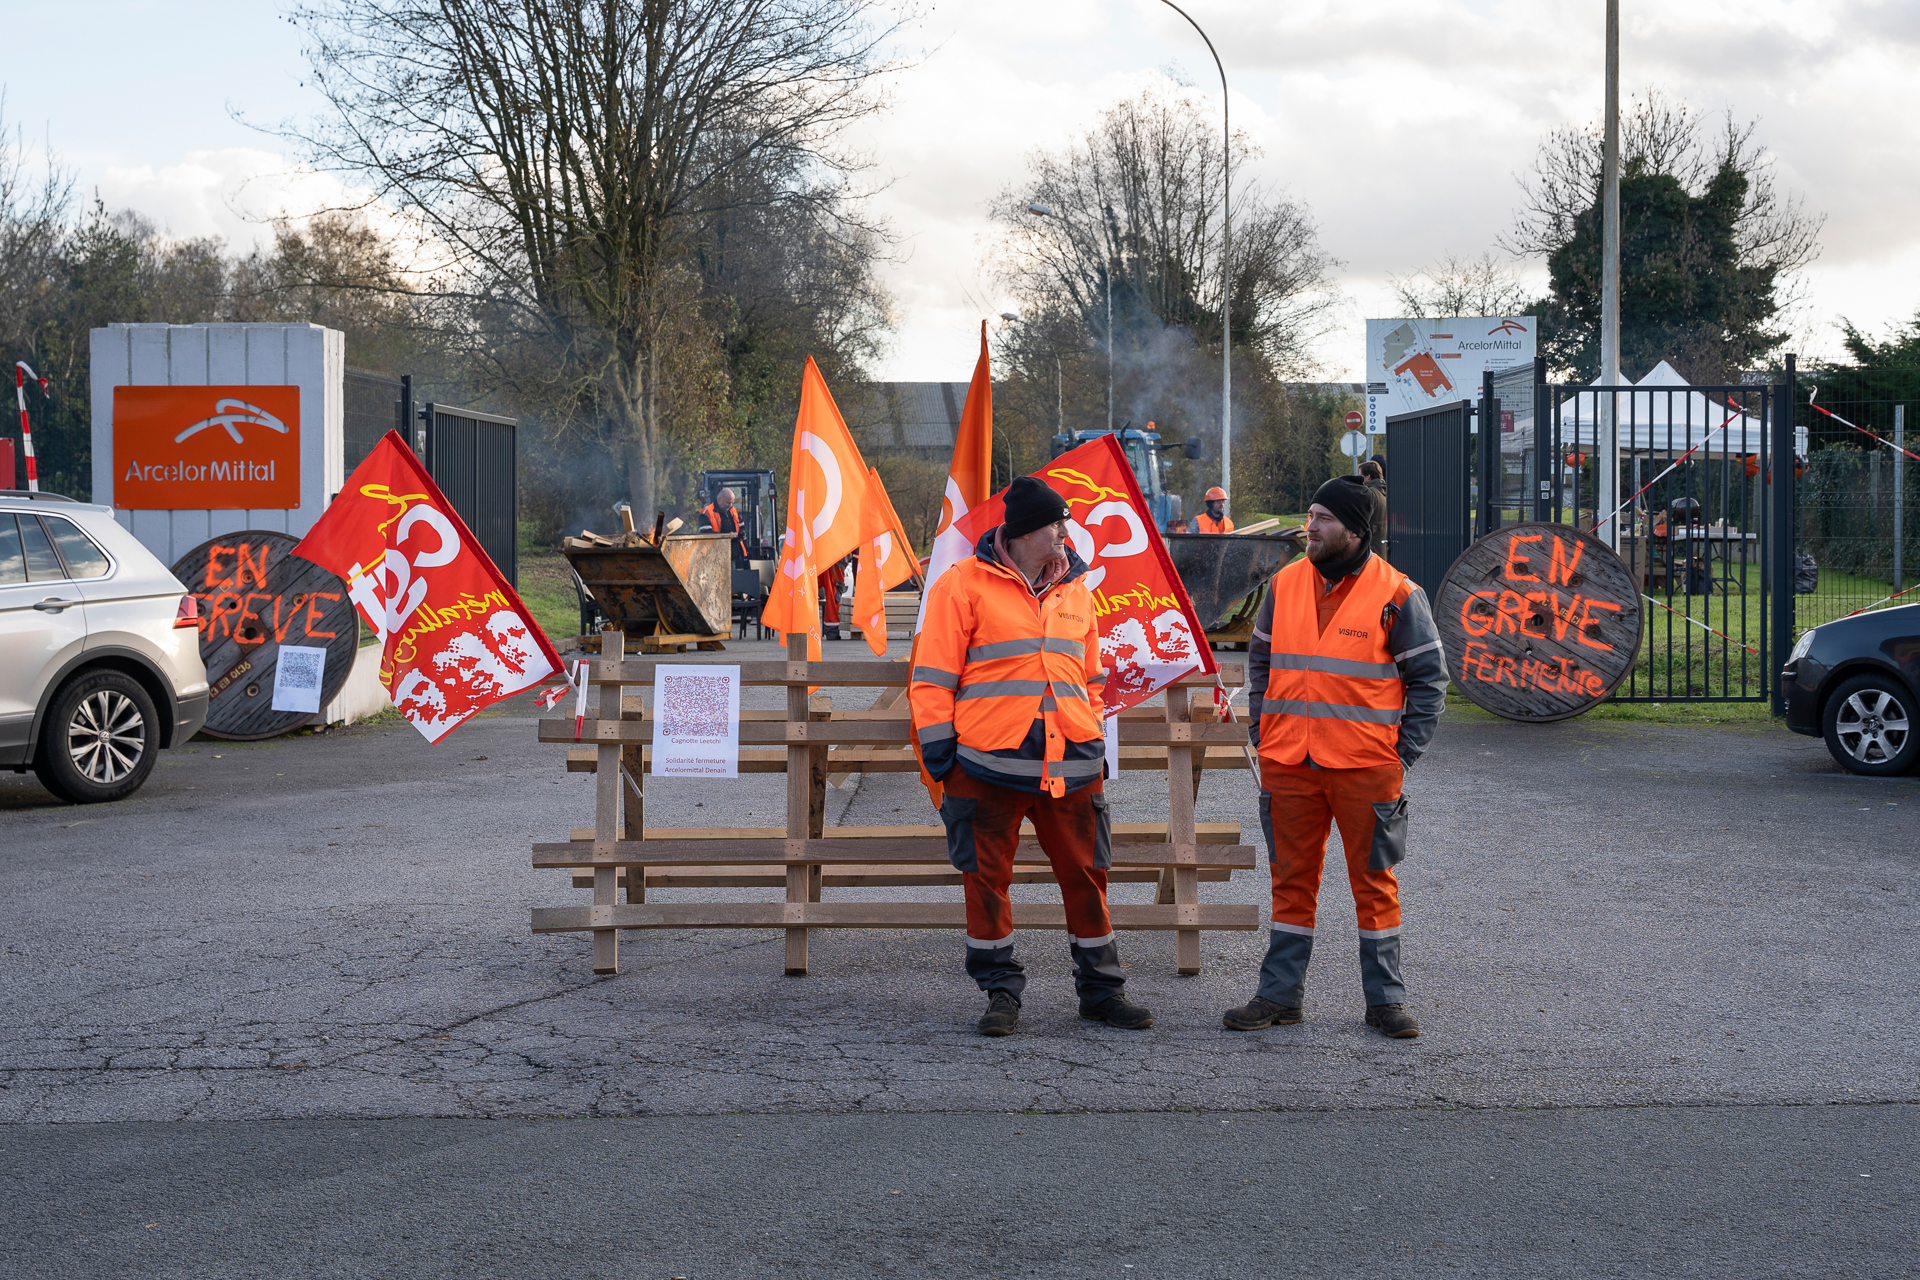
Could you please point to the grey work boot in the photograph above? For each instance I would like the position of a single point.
(1260, 1012)
(1117, 1011)
(1393, 1020)
(1002, 1015)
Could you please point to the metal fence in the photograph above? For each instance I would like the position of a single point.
(472, 456)
(1693, 509)
(373, 404)
(1855, 493)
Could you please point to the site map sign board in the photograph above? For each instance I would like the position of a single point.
(1414, 364)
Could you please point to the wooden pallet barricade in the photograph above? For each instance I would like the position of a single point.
(620, 854)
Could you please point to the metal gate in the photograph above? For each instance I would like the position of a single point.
(1429, 492)
(472, 457)
(1697, 510)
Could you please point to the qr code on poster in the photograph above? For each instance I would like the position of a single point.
(695, 706)
(300, 668)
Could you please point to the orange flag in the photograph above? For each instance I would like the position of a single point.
(969, 478)
(828, 501)
(886, 560)
(969, 483)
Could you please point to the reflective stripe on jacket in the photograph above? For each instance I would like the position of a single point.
(1335, 696)
(1006, 679)
(1204, 523)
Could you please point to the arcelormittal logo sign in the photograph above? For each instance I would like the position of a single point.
(206, 447)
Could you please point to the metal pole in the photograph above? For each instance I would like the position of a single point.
(1899, 494)
(1109, 344)
(1608, 461)
(1543, 459)
(1777, 641)
(1226, 266)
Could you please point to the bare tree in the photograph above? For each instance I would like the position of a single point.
(1138, 198)
(34, 213)
(1482, 286)
(1773, 231)
(557, 150)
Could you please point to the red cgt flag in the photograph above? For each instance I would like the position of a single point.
(456, 637)
(1149, 634)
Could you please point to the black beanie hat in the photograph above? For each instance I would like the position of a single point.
(1031, 505)
(1351, 503)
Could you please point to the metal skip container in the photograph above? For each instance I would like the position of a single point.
(684, 586)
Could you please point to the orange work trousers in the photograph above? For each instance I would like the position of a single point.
(1302, 804)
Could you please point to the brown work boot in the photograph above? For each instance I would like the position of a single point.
(1393, 1020)
(1002, 1015)
(1260, 1012)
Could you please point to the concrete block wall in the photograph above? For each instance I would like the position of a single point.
(308, 356)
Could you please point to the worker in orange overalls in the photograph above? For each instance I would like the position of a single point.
(1351, 676)
(721, 516)
(832, 579)
(1214, 519)
(1007, 714)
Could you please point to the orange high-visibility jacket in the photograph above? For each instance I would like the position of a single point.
(1204, 523)
(1006, 682)
(1336, 695)
(729, 523)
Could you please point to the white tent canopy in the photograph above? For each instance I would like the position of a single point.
(1662, 415)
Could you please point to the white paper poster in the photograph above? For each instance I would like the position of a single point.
(297, 676)
(1113, 748)
(696, 721)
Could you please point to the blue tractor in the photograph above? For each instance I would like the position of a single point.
(1144, 452)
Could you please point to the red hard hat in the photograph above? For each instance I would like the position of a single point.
(1216, 494)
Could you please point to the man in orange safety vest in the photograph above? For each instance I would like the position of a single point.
(1006, 707)
(1351, 678)
(1214, 519)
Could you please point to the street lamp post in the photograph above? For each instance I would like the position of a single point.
(1226, 263)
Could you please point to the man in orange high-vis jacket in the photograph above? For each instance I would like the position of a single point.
(721, 516)
(1214, 519)
(1006, 708)
(1352, 679)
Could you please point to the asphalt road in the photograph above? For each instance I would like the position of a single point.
(1662, 972)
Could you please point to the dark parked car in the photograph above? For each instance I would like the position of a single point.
(1857, 683)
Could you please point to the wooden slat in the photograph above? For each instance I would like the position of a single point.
(1128, 832)
(844, 877)
(792, 852)
(842, 675)
(876, 915)
(876, 733)
(893, 760)
(606, 815)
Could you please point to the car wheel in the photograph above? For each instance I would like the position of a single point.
(1869, 723)
(99, 739)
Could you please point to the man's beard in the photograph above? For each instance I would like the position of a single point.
(1329, 552)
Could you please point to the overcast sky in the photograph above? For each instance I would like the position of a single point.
(1401, 127)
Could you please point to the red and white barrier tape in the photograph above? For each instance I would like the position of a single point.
(1862, 430)
(20, 375)
(1883, 600)
(1703, 626)
(1670, 468)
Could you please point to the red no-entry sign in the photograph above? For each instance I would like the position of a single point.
(1354, 420)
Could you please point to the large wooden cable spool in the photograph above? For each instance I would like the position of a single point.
(256, 595)
(1539, 622)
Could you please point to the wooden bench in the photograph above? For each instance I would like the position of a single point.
(606, 857)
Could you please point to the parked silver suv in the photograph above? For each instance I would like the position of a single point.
(99, 650)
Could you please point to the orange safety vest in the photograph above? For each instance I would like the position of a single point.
(711, 514)
(1334, 695)
(991, 659)
(1206, 524)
